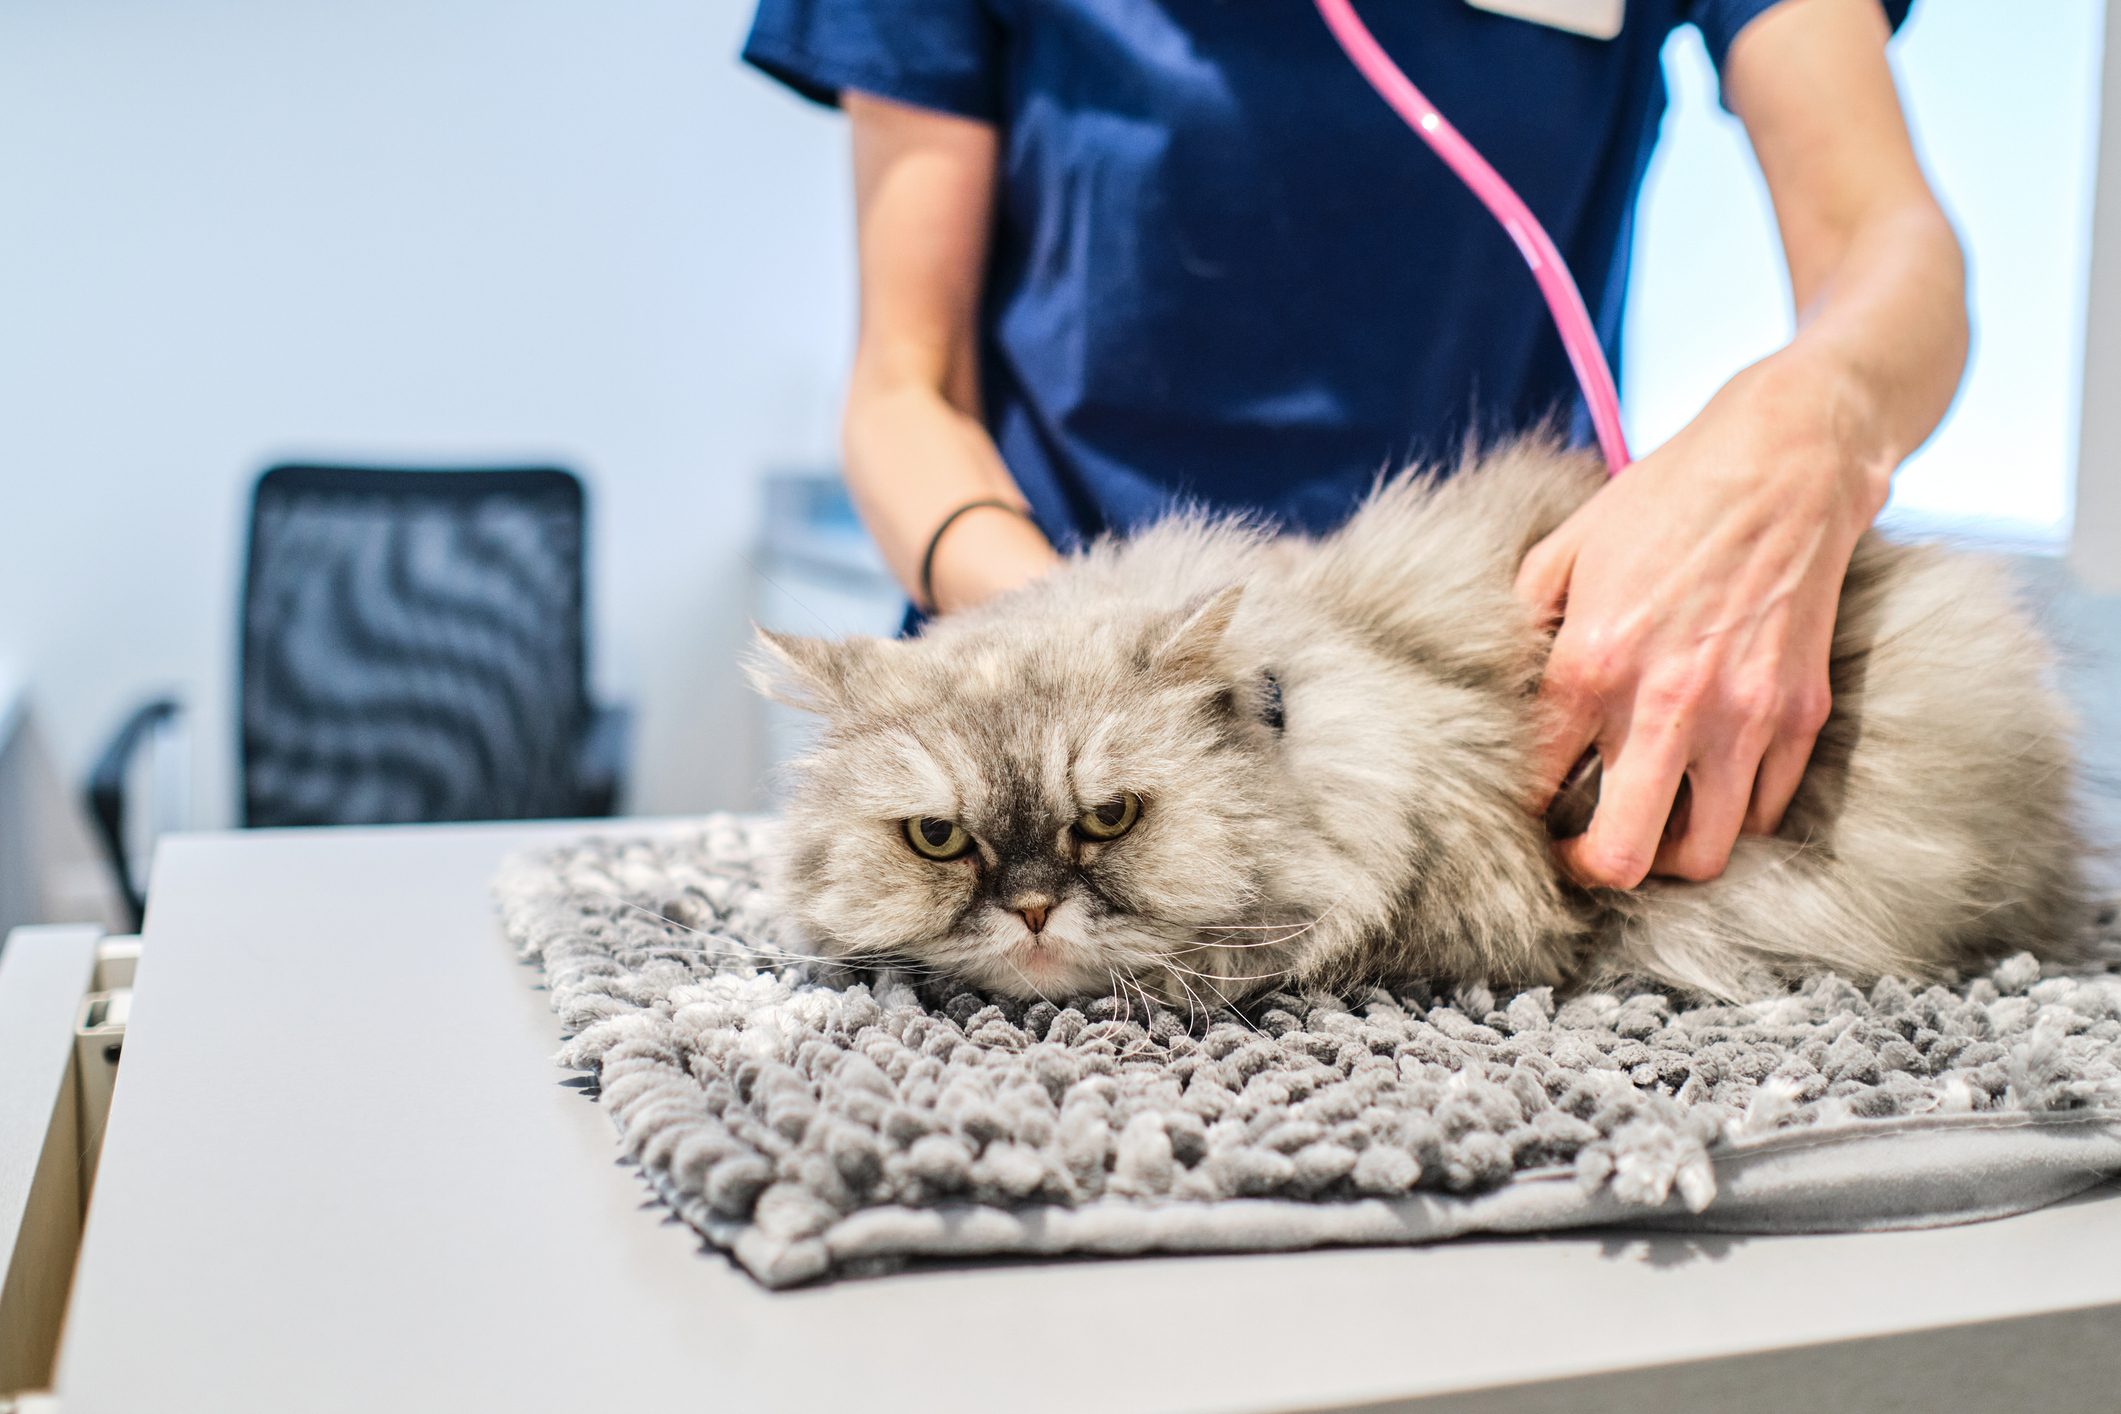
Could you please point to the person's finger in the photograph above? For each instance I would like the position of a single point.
(1781, 772)
(1569, 714)
(1699, 846)
(1543, 577)
(1642, 777)
(1798, 719)
(1570, 718)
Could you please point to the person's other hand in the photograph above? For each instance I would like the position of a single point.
(1695, 596)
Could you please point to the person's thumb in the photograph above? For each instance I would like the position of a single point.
(1543, 579)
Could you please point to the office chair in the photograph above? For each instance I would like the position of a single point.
(413, 648)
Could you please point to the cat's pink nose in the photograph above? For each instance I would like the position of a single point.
(1033, 911)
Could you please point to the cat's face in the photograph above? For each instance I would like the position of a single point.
(1041, 807)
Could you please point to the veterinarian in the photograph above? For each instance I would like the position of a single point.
(1117, 254)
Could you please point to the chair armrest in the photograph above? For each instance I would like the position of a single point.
(600, 769)
(106, 789)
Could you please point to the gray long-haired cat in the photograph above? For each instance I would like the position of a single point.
(1206, 761)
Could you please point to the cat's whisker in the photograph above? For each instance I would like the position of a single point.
(1299, 932)
(1120, 983)
(742, 950)
(1285, 933)
(881, 957)
(1223, 945)
(1148, 959)
(1191, 1000)
(1148, 1015)
(1207, 1013)
(1235, 976)
(1295, 931)
(1228, 1006)
(1148, 1003)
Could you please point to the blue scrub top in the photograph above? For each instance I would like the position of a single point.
(1223, 272)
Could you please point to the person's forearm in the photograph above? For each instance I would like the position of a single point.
(1882, 337)
(1875, 269)
(912, 457)
(914, 449)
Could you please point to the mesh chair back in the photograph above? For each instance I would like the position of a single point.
(412, 646)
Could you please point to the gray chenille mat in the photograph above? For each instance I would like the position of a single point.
(814, 1121)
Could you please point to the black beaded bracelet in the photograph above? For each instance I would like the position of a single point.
(928, 560)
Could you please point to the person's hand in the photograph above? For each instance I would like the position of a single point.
(1695, 596)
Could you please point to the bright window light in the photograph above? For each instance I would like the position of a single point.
(2004, 101)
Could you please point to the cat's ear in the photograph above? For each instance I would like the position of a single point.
(1191, 642)
(811, 674)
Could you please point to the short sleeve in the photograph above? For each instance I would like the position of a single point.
(940, 54)
(1720, 20)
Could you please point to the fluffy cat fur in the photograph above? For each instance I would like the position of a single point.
(1370, 825)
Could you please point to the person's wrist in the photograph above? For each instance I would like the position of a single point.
(987, 552)
(1826, 425)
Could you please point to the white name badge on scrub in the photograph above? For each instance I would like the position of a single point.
(1599, 19)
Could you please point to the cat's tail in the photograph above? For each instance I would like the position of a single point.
(1781, 910)
(1914, 896)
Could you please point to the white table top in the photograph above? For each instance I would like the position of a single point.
(342, 1174)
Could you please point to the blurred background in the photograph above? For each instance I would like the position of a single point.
(544, 234)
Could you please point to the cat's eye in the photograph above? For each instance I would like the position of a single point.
(933, 838)
(1112, 819)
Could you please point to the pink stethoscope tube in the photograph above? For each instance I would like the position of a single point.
(1506, 206)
